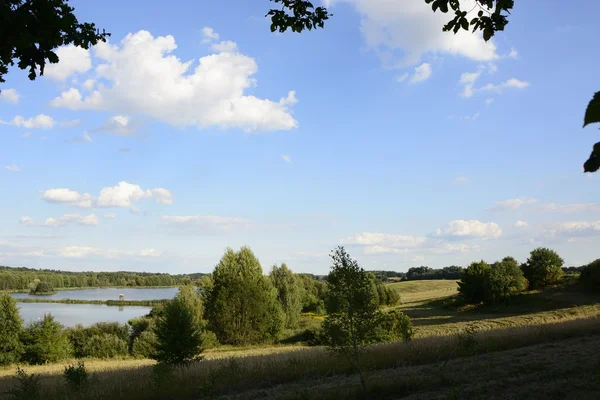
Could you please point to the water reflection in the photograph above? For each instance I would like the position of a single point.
(85, 314)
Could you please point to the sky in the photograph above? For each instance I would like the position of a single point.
(194, 128)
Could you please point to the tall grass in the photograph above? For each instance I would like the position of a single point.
(236, 375)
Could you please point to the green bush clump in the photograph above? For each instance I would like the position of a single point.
(105, 345)
(46, 341)
(590, 276)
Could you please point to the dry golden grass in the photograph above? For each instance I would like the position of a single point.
(414, 291)
(246, 376)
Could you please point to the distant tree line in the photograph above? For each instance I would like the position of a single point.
(234, 305)
(21, 278)
(420, 273)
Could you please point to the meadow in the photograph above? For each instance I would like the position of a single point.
(528, 349)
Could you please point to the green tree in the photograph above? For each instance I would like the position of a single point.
(590, 275)
(242, 306)
(491, 16)
(394, 326)
(543, 268)
(472, 282)
(505, 279)
(352, 310)
(11, 325)
(105, 345)
(46, 341)
(288, 293)
(179, 328)
(32, 29)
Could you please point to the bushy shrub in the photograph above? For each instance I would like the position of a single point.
(144, 345)
(543, 268)
(11, 325)
(105, 345)
(46, 341)
(394, 326)
(29, 387)
(590, 276)
(472, 282)
(503, 280)
(42, 288)
(209, 339)
(79, 335)
(77, 377)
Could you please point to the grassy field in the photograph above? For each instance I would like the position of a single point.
(542, 346)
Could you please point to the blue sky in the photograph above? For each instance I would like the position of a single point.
(407, 145)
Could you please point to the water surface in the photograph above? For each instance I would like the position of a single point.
(85, 314)
(106, 294)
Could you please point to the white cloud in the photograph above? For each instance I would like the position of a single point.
(26, 220)
(144, 77)
(207, 223)
(110, 216)
(26, 135)
(121, 195)
(70, 123)
(226, 46)
(162, 196)
(402, 77)
(10, 96)
(417, 258)
(71, 60)
(12, 168)
(209, 34)
(385, 240)
(68, 219)
(149, 253)
(89, 84)
(470, 228)
(70, 197)
(82, 139)
(422, 73)
(578, 228)
(119, 125)
(286, 158)
(87, 251)
(513, 204)
(460, 179)
(521, 224)
(40, 121)
(511, 83)
(570, 208)
(412, 28)
(472, 117)
(468, 80)
(489, 101)
(513, 53)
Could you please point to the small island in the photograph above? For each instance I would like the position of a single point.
(41, 288)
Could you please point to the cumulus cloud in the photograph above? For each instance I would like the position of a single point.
(513, 204)
(82, 139)
(489, 101)
(206, 223)
(460, 180)
(87, 252)
(226, 46)
(385, 240)
(10, 96)
(71, 60)
(110, 216)
(513, 53)
(149, 253)
(510, 83)
(25, 220)
(122, 195)
(40, 121)
(70, 197)
(469, 79)
(118, 125)
(405, 31)
(12, 168)
(143, 76)
(209, 34)
(286, 158)
(521, 224)
(470, 228)
(422, 73)
(69, 219)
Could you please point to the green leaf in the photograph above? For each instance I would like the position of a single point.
(592, 113)
(593, 163)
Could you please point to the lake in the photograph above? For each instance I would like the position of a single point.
(87, 314)
(106, 294)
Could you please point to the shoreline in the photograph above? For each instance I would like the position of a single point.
(91, 288)
(120, 303)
